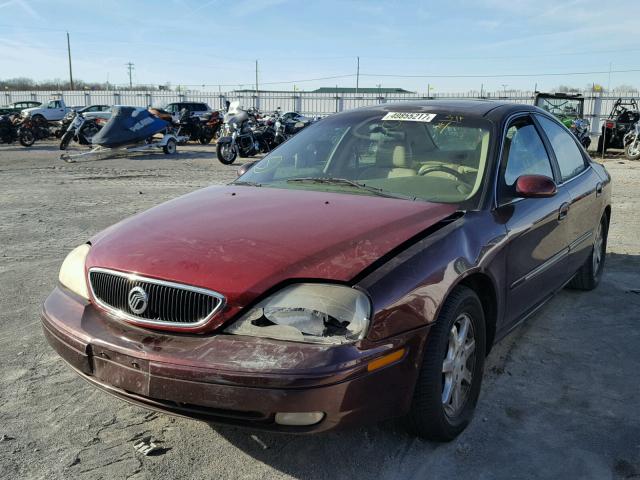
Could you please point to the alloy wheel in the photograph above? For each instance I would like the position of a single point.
(458, 365)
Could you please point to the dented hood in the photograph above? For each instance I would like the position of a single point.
(241, 241)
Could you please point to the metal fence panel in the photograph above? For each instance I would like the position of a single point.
(597, 105)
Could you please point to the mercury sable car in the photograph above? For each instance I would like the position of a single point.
(360, 271)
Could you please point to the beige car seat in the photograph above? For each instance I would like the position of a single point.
(393, 159)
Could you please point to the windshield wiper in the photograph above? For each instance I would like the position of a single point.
(246, 183)
(351, 183)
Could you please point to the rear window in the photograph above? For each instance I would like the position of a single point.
(568, 155)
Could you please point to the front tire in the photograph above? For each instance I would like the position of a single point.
(66, 140)
(27, 138)
(589, 275)
(448, 384)
(632, 151)
(226, 153)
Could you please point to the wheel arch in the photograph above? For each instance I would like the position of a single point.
(483, 285)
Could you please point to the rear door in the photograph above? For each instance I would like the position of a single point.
(537, 235)
(584, 186)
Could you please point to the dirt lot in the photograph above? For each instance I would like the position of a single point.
(560, 398)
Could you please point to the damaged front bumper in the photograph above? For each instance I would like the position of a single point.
(232, 379)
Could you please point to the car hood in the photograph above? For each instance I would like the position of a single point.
(243, 241)
(29, 110)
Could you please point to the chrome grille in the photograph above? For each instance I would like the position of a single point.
(167, 303)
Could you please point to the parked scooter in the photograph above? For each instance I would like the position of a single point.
(11, 130)
(241, 136)
(81, 130)
(632, 143)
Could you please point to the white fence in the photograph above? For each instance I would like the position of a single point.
(597, 106)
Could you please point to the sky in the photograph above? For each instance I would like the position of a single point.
(444, 46)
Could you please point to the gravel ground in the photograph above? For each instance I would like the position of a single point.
(560, 398)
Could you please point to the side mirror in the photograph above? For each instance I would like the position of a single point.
(535, 186)
(246, 167)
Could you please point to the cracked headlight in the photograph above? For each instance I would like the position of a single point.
(72, 271)
(308, 312)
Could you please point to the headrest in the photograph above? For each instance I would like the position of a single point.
(393, 154)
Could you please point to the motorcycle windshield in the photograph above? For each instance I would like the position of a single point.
(238, 117)
(128, 126)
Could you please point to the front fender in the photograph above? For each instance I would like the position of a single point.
(408, 290)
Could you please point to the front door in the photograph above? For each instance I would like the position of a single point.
(537, 232)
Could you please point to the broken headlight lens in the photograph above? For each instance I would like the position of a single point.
(72, 271)
(307, 312)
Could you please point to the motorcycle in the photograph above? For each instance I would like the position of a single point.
(212, 127)
(81, 130)
(241, 136)
(192, 127)
(580, 129)
(11, 130)
(632, 143)
(37, 126)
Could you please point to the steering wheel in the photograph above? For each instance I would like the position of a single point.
(425, 169)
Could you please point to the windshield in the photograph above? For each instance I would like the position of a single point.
(435, 157)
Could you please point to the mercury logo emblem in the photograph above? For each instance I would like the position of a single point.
(138, 300)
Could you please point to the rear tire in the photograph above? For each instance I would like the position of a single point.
(170, 148)
(448, 384)
(206, 136)
(589, 274)
(66, 140)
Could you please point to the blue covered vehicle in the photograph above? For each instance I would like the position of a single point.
(130, 129)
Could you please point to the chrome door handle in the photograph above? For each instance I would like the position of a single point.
(563, 211)
(598, 189)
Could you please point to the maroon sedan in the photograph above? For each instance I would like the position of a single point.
(360, 271)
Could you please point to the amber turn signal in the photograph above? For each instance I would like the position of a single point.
(386, 360)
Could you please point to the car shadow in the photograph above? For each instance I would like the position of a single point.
(354, 453)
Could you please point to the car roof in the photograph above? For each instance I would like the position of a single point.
(477, 108)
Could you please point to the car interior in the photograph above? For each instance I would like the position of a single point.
(441, 161)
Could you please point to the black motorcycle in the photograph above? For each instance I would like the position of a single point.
(242, 136)
(81, 130)
(193, 127)
(11, 130)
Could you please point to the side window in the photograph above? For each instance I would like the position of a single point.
(524, 154)
(568, 155)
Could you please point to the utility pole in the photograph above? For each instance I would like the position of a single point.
(257, 78)
(69, 54)
(130, 68)
(504, 90)
(357, 75)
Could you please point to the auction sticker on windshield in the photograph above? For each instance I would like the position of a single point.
(409, 116)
